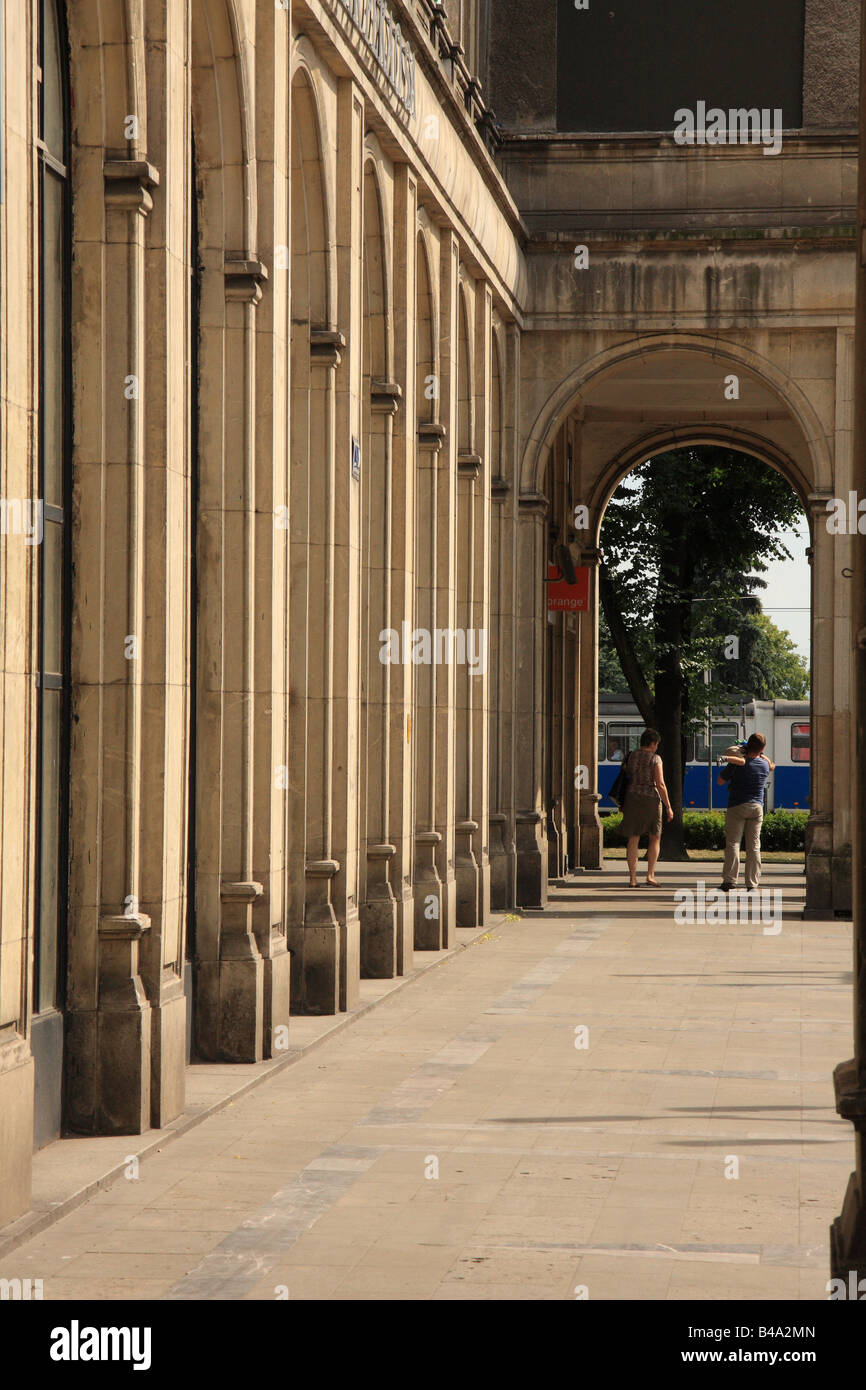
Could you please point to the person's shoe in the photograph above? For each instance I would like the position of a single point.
(726, 887)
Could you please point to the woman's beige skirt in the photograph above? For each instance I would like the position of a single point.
(642, 815)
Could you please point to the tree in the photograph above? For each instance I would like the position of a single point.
(685, 540)
(768, 666)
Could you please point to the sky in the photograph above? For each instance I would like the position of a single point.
(787, 595)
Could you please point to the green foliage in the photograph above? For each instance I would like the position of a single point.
(769, 666)
(781, 830)
(685, 538)
(784, 830)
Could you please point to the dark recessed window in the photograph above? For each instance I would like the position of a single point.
(53, 475)
(631, 64)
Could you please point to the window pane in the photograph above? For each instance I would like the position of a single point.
(622, 739)
(52, 86)
(49, 880)
(602, 741)
(801, 743)
(723, 736)
(51, 420)
(52, 598)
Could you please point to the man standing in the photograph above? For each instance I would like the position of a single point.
(745, 811)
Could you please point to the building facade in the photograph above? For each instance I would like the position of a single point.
(326, 323)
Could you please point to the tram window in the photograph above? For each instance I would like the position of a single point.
(722, 737)
(602, 741)
(689, 756)
(622, 739)
(801, 747)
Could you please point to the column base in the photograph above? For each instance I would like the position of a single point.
(16, 1128)
(168, 1052)
(503, 864)
(350, 959)
(532, 877)
(316, 945)
(848, 1231)
(848, 1243)
(591, 837)
(405, 931)
(378, 918)
(429, 897)
(467, 874)
(230, 1005)
(277, 994)
(110, 1047)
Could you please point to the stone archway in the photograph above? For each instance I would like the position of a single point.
(619, 407)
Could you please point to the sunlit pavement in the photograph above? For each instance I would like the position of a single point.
(595, 1101)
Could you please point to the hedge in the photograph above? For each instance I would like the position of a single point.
(781, 830)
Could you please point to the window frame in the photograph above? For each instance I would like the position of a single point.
(50, 995)
(795, 761)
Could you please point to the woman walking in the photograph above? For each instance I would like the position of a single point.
(642, 813)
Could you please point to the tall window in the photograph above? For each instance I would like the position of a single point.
(631, 65)
(54, 438)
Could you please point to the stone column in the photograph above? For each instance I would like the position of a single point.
(466, 866)
(229, 964)
(848, 1232)
(445, 611)
(109, 1023)
(271, 641)
(503, 854)
(828, 553)
(590, 822)
(20, 559)
(429, 894)
(378, 913)
(164, 395)
(403, 518)
(314, 931)
(344, 691)
(501, 660)
(571, 737)
(532, 875)
(479, 618)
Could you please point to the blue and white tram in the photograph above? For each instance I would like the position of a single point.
(784, 723)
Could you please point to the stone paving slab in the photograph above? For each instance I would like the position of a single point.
(68, 1172)
(456, 1143)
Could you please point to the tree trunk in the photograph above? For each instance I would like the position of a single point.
(669, 687)
(628, 660)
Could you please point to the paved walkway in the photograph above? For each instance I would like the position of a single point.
(460, 1141)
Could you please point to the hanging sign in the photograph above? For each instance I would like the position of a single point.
(567, 598)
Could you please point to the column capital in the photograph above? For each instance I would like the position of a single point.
(385, 396)
(469, 463)
(431, 435)
(533, 503)
(817, 501)
(128, 183)
(244, 277)
(326, 345)
(246, 892)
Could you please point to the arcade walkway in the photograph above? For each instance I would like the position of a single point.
(711, 1047)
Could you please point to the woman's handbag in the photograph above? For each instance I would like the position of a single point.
(619, 789)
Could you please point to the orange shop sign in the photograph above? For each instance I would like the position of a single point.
(567, 598)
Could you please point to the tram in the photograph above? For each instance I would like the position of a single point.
(784, 723)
